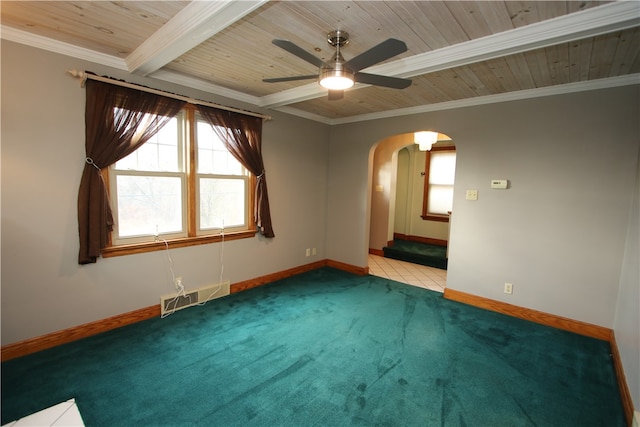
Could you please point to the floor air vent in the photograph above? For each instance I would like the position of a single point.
(173, 302)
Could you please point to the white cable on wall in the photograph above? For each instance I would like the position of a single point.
(173, 276)
(180, 287)
(176, 283)
(215, 291)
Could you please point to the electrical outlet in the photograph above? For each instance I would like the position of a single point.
(508, 288)
(313, 251)
(308, 253)
(178, 283)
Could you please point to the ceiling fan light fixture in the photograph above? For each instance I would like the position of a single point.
(336, 79)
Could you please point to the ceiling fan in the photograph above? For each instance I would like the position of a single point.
(338, 74)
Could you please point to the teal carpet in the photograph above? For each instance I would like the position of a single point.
(417, 253)
(325, 348)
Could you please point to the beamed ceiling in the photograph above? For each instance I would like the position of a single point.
(459, 52)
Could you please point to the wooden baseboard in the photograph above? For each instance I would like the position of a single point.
(559, 322)
(378, 252)
(420, 239)
(625, 394)
(360, 271)
(263, 280)
(33, 345)
(552, 320)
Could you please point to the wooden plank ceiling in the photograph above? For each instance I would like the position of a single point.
(234, 56)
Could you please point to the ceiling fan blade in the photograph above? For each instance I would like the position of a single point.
(290, 79)
(299, 52)
(385, 81)
(385, 50)
(335, 95)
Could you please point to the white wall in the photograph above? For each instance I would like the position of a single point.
(627, 321)
(43, 287)
(557, 234)
(404, 188)
(383, 190)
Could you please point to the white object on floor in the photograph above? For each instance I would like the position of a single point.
(63, 414)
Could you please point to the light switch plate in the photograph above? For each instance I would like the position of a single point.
(500, 184)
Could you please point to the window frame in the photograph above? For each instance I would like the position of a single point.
(425, 193)
(193, 237)
(245, 178)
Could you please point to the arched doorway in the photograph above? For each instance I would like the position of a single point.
(400, 216)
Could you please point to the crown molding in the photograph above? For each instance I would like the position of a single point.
(628, 80)
(40, 42)
(205, 86)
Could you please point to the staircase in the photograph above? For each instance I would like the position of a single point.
(417, 253)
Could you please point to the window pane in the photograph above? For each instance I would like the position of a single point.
(222, 203)
(440, 199)
(442, 169)
(159, 154)
(213, 156)
(149, 205)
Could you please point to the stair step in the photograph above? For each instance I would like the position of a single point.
(418, 253)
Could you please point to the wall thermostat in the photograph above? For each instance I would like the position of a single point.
(499, 184)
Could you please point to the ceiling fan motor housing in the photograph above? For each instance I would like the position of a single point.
(338, 38)
(334, 74)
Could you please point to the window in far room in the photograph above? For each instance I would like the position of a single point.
(440, 167)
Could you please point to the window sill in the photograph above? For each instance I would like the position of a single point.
(140, 248)
(439, 218)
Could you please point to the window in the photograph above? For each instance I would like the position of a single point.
(119, 120)
(222, 184)
(182, 186)
(440, 167)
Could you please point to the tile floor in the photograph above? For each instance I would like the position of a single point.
(406, 272)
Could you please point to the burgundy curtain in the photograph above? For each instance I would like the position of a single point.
(118, 120)
(242, 135)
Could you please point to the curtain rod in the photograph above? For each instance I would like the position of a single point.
(83, 76)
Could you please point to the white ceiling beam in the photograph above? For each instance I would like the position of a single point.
(588, 23)
(197, 22)
(291, 96)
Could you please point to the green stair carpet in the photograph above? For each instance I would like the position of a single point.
(325, 348)
(417, 253)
